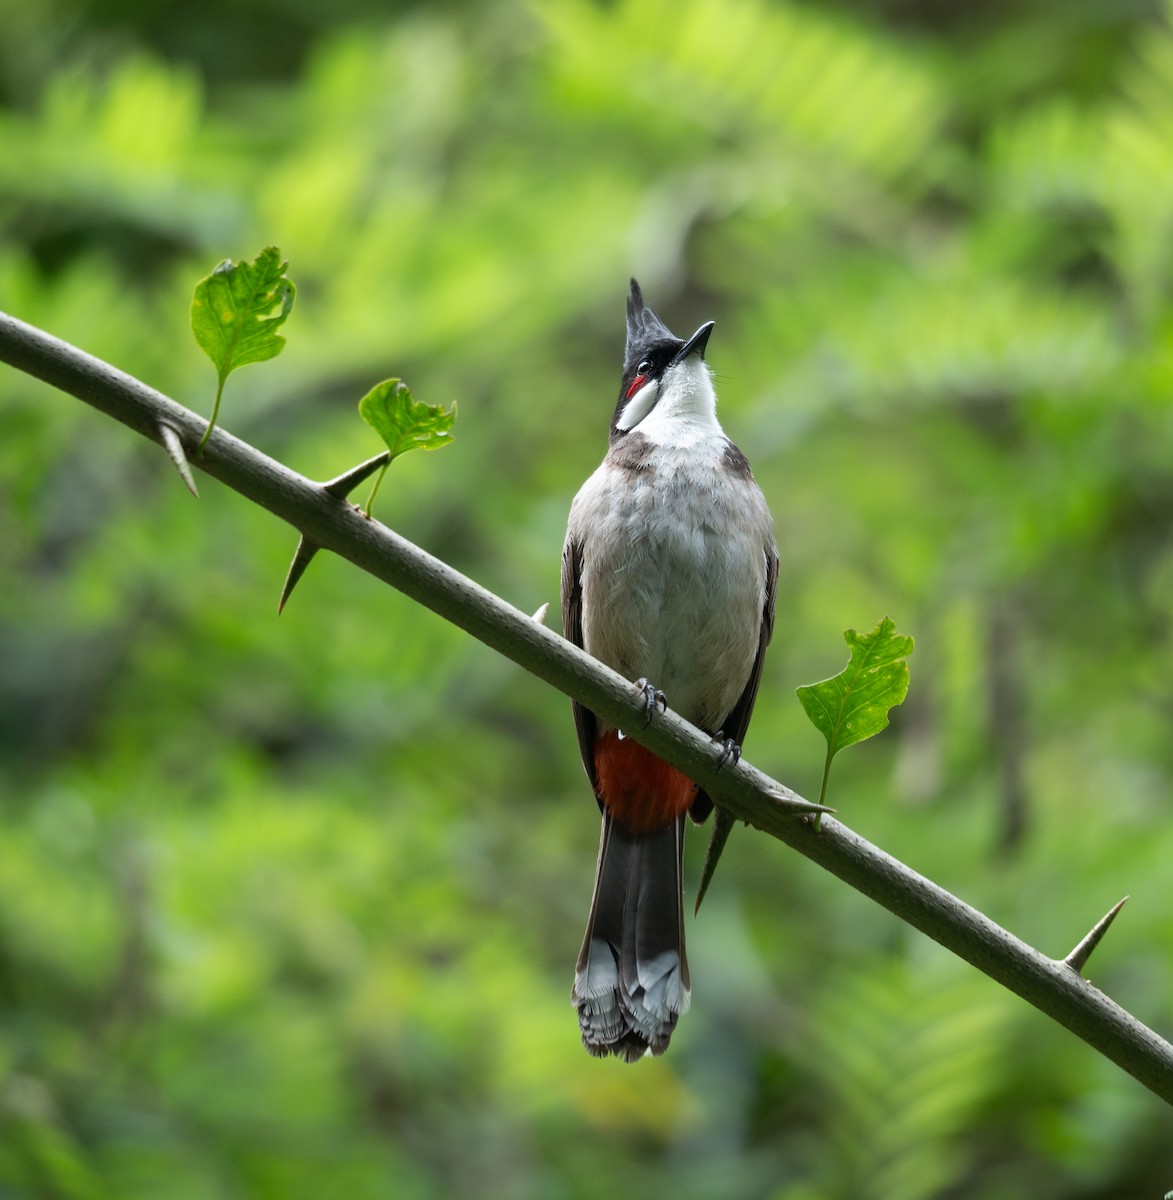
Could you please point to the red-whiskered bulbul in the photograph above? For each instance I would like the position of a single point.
(669, 575)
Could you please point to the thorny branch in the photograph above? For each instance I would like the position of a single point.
(325, 518)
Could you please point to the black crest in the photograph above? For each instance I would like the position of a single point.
(647, 335)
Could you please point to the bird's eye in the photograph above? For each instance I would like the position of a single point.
(643, 368)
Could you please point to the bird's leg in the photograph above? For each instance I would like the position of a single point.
(653, 698)
(730, 750)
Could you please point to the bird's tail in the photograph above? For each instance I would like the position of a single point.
(631, 982)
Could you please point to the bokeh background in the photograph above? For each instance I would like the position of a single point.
(289, 907)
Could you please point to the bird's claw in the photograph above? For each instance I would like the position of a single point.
(730, 750)
(653, 697)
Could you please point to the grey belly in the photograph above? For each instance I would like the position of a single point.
(682, 611)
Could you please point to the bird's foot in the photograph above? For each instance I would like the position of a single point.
(730, 750)
(653, 699)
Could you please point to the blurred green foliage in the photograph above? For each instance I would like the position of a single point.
(289, 908)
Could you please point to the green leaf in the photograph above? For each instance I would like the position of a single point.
(404, 423)
(236, 312)
(854, 705)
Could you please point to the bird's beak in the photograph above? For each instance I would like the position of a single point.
(695, 344)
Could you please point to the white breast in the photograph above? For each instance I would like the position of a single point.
(674, 562)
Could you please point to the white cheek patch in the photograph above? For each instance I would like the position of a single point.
(638, 406)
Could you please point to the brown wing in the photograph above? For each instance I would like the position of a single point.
(737, 722)
(584, 720)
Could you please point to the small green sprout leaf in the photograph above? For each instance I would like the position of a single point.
(404, 423)
(235, 314)
(854, 704)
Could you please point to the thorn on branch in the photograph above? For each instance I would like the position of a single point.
(340, 488)
(540, 615)
(800, 807)
(302, 557)
(174, 447)
(722, 826)
(1078, 957)
(345, 483)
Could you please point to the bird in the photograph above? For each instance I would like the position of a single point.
(669, 576)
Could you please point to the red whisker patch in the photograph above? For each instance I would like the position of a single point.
(636, 384)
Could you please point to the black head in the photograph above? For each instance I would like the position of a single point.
(651, 349)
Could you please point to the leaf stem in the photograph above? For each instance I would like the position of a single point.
(378, 480)
(215, 414)
(823, 788)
